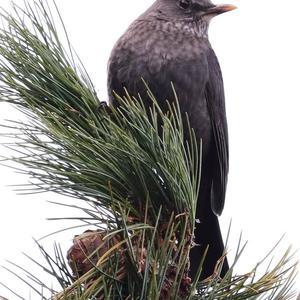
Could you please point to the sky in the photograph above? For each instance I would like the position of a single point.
(258, 48)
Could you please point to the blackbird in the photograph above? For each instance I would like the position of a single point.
(169, 43)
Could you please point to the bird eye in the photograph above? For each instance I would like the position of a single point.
(184, 4)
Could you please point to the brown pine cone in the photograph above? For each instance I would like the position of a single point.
(87, 248)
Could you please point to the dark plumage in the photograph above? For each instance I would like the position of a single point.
(169, 43)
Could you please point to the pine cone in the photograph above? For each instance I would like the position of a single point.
(91, 245)
(169, 281)
(87, 249)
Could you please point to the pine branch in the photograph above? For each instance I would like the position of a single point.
(73, 147)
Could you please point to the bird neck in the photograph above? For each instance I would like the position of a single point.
(197, 28)
(190, 27)
(170, 22)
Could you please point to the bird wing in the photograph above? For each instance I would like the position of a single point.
(214, 94)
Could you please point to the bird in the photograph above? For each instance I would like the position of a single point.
(168, 44)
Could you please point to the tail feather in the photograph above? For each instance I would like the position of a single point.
(208, 233)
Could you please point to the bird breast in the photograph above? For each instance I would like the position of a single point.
(155, 44)
(161, 53)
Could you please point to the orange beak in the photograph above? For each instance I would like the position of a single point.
(220, 9)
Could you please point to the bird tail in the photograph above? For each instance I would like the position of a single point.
(208, 234)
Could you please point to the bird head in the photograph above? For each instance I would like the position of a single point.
(189, 9)
(201, 8)
(197, 13)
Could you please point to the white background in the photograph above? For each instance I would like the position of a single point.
(259, 51)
